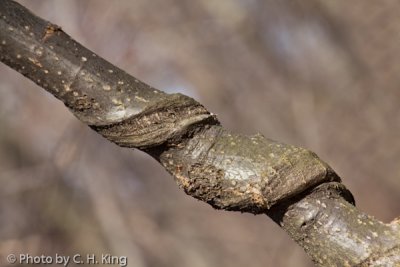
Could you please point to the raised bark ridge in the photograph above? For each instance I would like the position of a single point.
(229, 171)
(130, 113)
(243, 173)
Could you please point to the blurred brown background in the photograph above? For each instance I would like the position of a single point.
(319, 74)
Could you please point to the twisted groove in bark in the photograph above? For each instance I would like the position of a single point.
(243, 173)
(164, 122)
(229, 171)
(130, 113)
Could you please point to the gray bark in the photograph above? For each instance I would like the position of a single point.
(229, 171)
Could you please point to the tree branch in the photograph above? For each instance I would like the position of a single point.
(229, 171)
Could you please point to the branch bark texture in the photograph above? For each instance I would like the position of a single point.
(229, 171)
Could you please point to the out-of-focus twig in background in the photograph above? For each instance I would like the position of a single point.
(318, 74)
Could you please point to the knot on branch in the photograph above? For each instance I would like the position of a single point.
(244, 173)
(165, 121)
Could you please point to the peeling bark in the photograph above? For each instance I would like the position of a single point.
(252, 174)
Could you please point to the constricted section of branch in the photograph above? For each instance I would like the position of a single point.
(243, 173)
(227, 170)
(164, 122)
